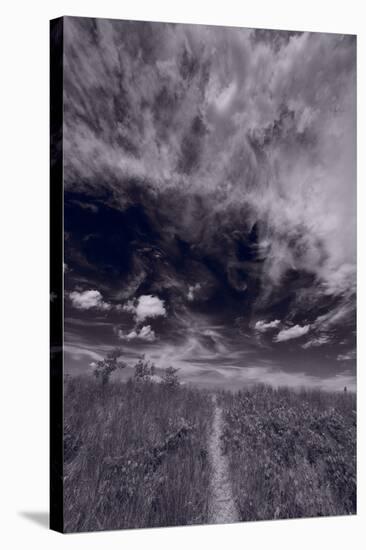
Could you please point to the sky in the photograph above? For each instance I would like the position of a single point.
(210, 201)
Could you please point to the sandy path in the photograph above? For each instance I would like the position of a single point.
(222, 506)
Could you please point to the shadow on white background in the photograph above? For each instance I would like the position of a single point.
(39, 518)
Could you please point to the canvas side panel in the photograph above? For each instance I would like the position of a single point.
(56, 274)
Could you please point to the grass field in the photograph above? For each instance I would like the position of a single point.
(136, 454)
(291, 454)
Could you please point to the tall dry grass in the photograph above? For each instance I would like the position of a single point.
(135, 455)
(291, 454)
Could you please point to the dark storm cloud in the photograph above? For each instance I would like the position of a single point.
(214, 169)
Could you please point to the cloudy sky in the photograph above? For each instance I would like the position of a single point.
(210, 201)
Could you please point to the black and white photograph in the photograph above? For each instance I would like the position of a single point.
(208, 352)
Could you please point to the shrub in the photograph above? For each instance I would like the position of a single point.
(144, 370)
(170, 378)
(105, 367)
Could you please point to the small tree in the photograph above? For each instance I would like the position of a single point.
(170, 378)
(144, 369)
(105, 367)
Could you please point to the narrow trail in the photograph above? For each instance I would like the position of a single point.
(222, 507)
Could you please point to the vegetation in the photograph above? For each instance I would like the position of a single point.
(291, 454)
(170, 378)
(144, 370)
(134, 454)
(104, 368)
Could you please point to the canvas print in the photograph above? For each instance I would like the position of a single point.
(203, 277)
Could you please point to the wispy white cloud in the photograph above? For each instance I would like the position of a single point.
(88, 299)
(78, 352)
(144, 333)
(253, 98)
(192, 290)
(263, 326)
(316, 341)
(349, 356)
(337, 315)
(144, 307)
(290, 333)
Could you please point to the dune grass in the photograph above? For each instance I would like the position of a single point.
(134, 455)
(291, 454)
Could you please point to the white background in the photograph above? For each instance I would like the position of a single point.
(24, 271)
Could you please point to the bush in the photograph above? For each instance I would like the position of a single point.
(170, 378)
(107, 366)
(144, 370)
